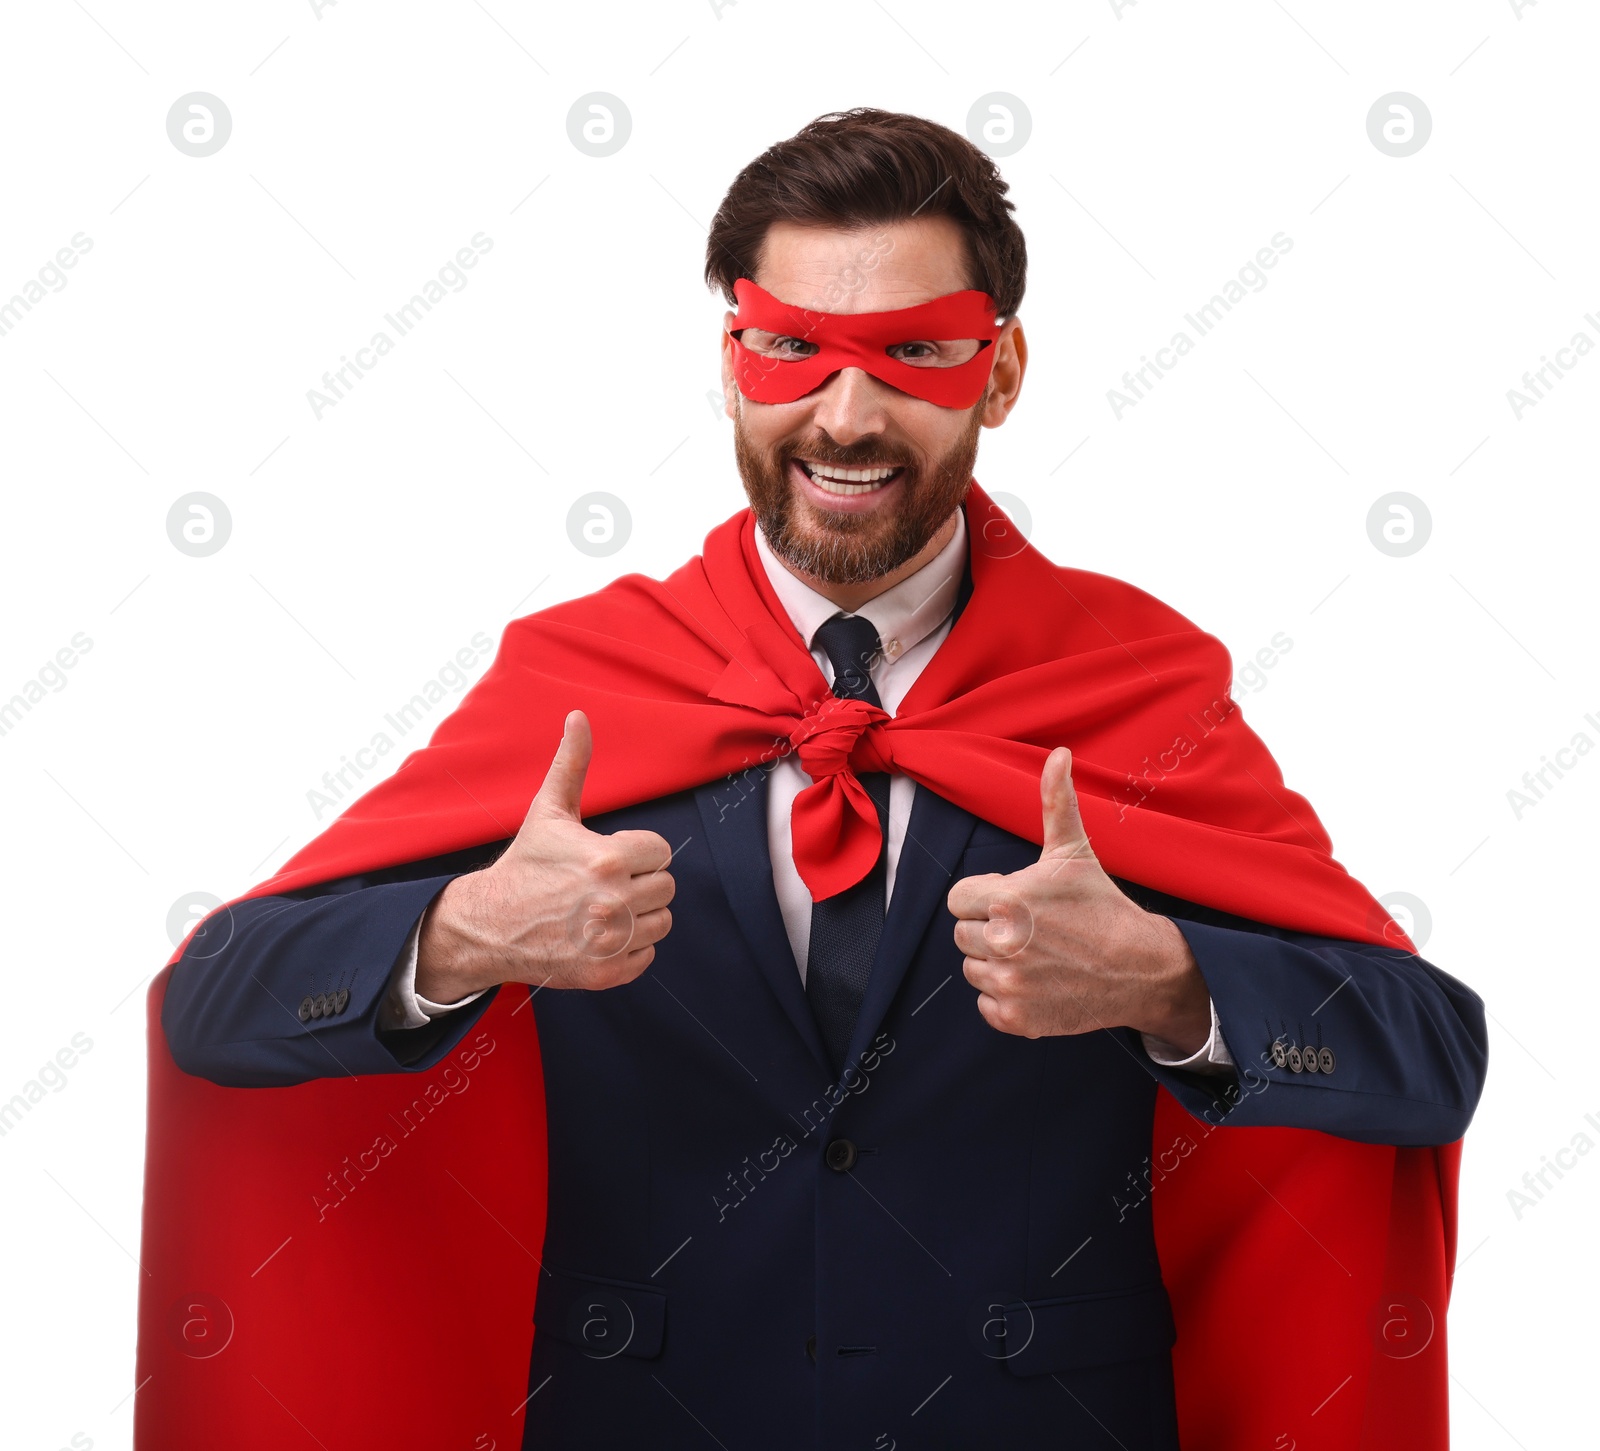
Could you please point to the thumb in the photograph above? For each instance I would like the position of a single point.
(1063, 826)
(559, 797)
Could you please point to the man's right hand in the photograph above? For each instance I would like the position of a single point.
(563, 907)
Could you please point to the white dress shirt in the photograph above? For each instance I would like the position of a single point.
(912, 620)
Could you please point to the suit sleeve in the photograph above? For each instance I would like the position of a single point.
(282, 990)
(1365, 1042)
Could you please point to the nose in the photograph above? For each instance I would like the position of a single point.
(850, 406)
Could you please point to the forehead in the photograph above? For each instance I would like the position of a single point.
(874, 268)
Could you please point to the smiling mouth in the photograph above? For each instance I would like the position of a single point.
(833, 479)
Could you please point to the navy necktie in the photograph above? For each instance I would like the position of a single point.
(845, 927)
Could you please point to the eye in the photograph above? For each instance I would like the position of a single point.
(925, 354)
(775, 345)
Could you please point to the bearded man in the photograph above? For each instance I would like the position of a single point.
(951, 1031)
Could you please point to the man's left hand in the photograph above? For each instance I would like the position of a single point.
(1057, 948)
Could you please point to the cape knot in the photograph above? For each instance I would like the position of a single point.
(840, 737)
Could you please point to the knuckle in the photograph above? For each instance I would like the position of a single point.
(611, 972)
(1004, 982)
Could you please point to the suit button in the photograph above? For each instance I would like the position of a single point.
(340, 998)
(1296, 1065)
(1308, 1060)
(319, 1006)
(1280, 1054)
(840, 1156)
(1325, 1059)
(307, 1008)
(811, 1349)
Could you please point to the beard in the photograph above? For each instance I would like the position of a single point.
(840, 547)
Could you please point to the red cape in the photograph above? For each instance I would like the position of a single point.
(314, 1268)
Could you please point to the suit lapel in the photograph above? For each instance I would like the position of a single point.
(734, 810)
(935, 839)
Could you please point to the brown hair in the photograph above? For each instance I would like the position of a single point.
(860, 167)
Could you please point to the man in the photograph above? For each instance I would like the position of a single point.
(851, 1045)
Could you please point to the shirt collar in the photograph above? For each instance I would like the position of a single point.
(903, 615)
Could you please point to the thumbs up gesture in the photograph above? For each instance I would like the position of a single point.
(563, 907)
(1058, 948)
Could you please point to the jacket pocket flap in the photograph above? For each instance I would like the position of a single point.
(1087, 1330)
(603, 1318)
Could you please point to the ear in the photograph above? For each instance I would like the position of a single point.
(729, 387)
(1005, 382)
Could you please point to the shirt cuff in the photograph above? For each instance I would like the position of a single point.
(403, 1006)
(1211, 1057)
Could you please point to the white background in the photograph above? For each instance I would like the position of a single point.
(1168, 144)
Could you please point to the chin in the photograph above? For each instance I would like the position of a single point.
(840, 549)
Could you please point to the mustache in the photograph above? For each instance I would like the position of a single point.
(868, 455)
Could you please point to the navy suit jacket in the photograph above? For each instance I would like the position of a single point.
(938, 1247)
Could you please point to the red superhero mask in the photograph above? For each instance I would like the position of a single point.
(788, 350)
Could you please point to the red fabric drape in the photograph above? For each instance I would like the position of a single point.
(313, 1260)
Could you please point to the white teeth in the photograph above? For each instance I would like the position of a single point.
(848, 481)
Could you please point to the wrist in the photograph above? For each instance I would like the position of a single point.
(450, 946)
(1178, 1008)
